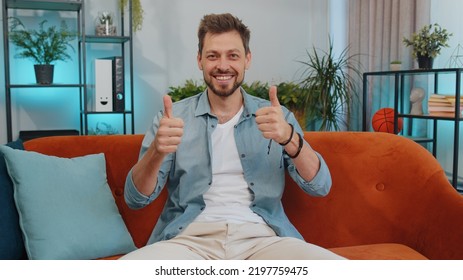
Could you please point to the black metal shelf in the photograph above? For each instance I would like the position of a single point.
(106, 113)
(55, 85)
(106, 39)
(77, 6)
(398, 78)
(50, 5)
(430, 117)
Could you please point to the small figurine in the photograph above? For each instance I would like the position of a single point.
(416, 101)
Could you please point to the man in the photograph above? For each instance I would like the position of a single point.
(224, 177)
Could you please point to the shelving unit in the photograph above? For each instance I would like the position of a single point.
(126, 46)
(398, 78)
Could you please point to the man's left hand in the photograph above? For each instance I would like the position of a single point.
(271, 121)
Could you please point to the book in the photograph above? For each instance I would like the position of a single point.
(443, 105)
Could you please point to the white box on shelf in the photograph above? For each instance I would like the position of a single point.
(103, 85)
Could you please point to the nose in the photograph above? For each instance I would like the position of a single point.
(223, 64)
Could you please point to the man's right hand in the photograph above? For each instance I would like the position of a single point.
(169, 134)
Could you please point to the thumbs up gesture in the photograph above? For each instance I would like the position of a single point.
(271, 121)
(170, 131)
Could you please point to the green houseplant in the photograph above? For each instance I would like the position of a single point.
(331, 85)
(43, 46)
(427, 43)
(189, 88)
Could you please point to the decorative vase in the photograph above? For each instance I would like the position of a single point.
(425, 62)
(104, 24)
(396, 66)
(44, 74)
(105, 30)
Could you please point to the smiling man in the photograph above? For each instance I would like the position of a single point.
(224, 180)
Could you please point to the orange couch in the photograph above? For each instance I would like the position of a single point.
(390, 198)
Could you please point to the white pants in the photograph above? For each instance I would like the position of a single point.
(223, 241)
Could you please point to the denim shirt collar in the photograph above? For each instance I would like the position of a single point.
(204, 107)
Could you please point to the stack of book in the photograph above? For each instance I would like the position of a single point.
(443, 105)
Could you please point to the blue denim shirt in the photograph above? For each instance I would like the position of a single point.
(189, 171)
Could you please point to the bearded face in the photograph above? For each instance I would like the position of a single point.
(223, 62)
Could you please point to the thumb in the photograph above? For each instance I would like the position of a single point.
(167, 106)
(272, 93)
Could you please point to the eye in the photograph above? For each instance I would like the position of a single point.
(234, 56)
(211, 57)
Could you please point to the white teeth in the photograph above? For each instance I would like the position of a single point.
(223, 78)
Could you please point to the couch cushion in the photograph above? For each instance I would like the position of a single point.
(384, 251)
(65, 206)
(11, 242)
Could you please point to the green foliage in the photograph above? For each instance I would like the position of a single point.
(427, 43)
(188, 89)
(137, 13)
(104, 129)
(290, 94)
(257, 88)
(330, 85)
(43, 46)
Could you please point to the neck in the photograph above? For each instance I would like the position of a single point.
(224, 108)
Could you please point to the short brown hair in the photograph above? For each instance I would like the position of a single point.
(221, 23)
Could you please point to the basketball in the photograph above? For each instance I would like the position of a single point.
(383, 121)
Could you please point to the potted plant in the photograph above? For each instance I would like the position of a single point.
(105, 25)
(137, 13)
(331, 85)
(43, 46)
(396, 65)
(427, 44)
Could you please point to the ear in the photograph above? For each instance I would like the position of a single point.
(198, 58)
(248, 60)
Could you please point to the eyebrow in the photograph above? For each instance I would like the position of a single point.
(228, 51)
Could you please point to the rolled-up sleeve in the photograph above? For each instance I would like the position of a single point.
(320, 185)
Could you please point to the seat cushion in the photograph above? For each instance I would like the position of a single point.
(383, 251)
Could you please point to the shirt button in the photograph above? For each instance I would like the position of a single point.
(243, 155)
(180, 228)
(252, 184)
(212, 125)
(254, 205)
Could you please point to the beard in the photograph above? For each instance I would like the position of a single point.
(223, 92)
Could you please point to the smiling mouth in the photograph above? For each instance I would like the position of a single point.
(224, 78)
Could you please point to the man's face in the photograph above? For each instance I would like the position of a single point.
(223, 62)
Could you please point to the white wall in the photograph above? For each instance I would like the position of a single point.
(166, 48)
(165, 52)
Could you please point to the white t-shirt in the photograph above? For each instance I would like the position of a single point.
(229, 196)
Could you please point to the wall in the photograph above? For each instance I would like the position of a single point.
(165, 54)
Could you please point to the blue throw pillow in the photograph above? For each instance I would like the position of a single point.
(11, 241)
(66, 208)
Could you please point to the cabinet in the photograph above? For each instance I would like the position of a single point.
(83, 84)
(400, 83)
